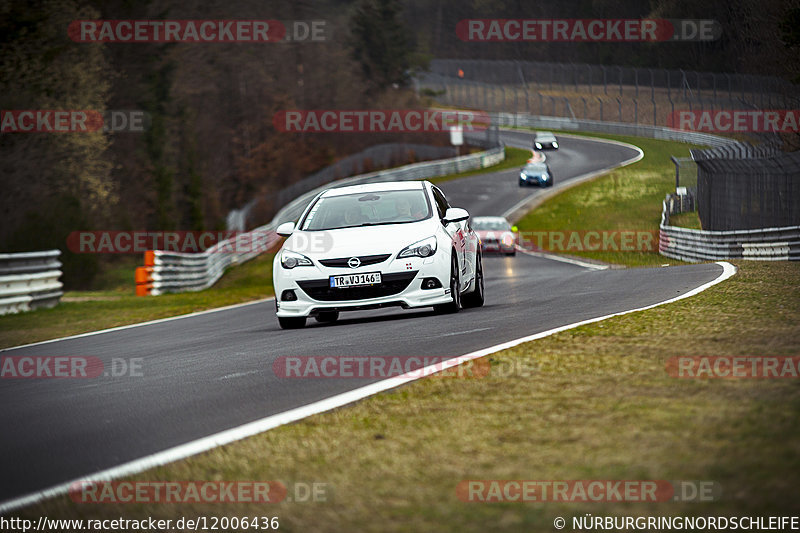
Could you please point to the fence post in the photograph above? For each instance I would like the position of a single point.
(653, 101)
(677, 171)
(601, 108)
(591, 81)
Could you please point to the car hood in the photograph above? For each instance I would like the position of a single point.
(367, 240)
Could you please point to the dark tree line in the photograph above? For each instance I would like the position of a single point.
(210, 145)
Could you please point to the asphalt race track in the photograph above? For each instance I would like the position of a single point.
(211, 372)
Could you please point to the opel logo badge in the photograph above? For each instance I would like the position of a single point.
(354, 262)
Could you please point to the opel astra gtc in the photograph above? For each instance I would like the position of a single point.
(376, 245)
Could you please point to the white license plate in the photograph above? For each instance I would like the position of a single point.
(355, 280)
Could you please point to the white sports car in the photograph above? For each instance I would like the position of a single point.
(376, 245)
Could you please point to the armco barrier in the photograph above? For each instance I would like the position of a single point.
(768, 244)
(178, 272)
(525, 120)
(29, 280)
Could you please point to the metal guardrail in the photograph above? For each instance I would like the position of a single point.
(693, 245)
(526, 120)
(29, 280)
(165, 272)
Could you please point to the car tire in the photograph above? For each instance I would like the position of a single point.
(476, 297)
(521, 183)
(512, 254)
(455, 289)
(292, 322)
(327, 317)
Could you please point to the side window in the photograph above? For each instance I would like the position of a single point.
(441, 201)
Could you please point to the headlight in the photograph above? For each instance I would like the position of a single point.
(292, 259)
(539, 145)
(523, 176)
(423, 248)
(555, 144)
(545, 177)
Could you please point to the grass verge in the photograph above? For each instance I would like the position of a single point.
(84, 311)
(597, 405)
(626, 199)
(685, 220)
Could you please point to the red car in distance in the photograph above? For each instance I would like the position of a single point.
(496, 234)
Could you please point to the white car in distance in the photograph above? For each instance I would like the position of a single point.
(376, 245)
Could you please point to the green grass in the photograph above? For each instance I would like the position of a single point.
(685, 220)
(628, 198)
(598, 405)
(515, 158)
(84, 311)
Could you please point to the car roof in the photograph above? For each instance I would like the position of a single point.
(543, 134)
(375, 187)
(536, 164)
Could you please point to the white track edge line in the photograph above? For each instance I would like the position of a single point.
(259, 426)
(138, 324)
(554, 257)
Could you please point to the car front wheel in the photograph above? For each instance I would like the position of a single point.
(455, 290)
(475, 298)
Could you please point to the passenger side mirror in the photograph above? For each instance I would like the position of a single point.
(455, 214)
(285, 229)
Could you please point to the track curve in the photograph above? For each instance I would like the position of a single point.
(213, 371)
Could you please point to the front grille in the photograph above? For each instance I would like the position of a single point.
(365, 260)
(319, 289)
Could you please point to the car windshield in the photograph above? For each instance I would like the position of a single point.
(367, 209)
(490, 225)
(535, 167)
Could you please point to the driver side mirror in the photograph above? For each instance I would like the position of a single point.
(285, 229)
(455, 214)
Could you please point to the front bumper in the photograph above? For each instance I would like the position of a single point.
(496, 247)
(535, 180)
(401, 285)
